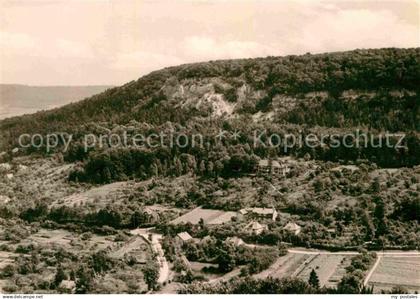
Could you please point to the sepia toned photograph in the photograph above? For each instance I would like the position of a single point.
(209, 147)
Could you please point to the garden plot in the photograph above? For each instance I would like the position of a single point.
(285, 266)
(51, 237)
(97, 243)
(136, 247)
(98, 197)
(6, 258)
(339, 272)
(329, 268)
(396, 271)
(208, 216)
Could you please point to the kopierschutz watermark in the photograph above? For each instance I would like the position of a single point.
(257, 139)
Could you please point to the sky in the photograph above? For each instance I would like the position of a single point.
(90, 42)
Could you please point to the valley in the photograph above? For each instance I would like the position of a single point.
(232, 214)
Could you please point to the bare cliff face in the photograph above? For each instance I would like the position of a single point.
(219, 98)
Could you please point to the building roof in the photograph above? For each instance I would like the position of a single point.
(206, 239)
(67, 284)
(263, 211)
(5, 166)
(291, 226)
(254, 225)
(235, 241)
(184, 236)
(4, 199)
(266, 163)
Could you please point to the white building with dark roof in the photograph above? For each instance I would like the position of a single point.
(273, 166)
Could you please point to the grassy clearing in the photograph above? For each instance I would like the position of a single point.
(330, 269)
(208, 216)
(285, 266)
(397, 271)
(99, 197)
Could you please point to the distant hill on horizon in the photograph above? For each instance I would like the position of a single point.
(19, 99)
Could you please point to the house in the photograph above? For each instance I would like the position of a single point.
(234, 241)
(293, 228)
(255, 227)
(4, 199)
(184, 237)
(273, 166)
(185, 261)
(22, 168)
(69, 285)
(9, 176)
(262, 212)
(243, 211)
(4, 167)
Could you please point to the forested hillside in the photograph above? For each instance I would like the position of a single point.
(371, 90)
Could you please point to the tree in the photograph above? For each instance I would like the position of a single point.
(349, 284)
(369, 226)
(100, 262)
(202, 167)
(137, 219)
(84, 280)
(8, 271)
(59, 276)
(151, 274)
(399, 290)
(379, 214)
(313, 279)
(226, 261)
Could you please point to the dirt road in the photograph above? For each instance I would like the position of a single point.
(157, 248)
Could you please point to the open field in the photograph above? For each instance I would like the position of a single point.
(99, 197)
(399, 270)
(285, 266)
(330, 268)
(6, 258)
(208, 216)
(51, 237)
(136, 246)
